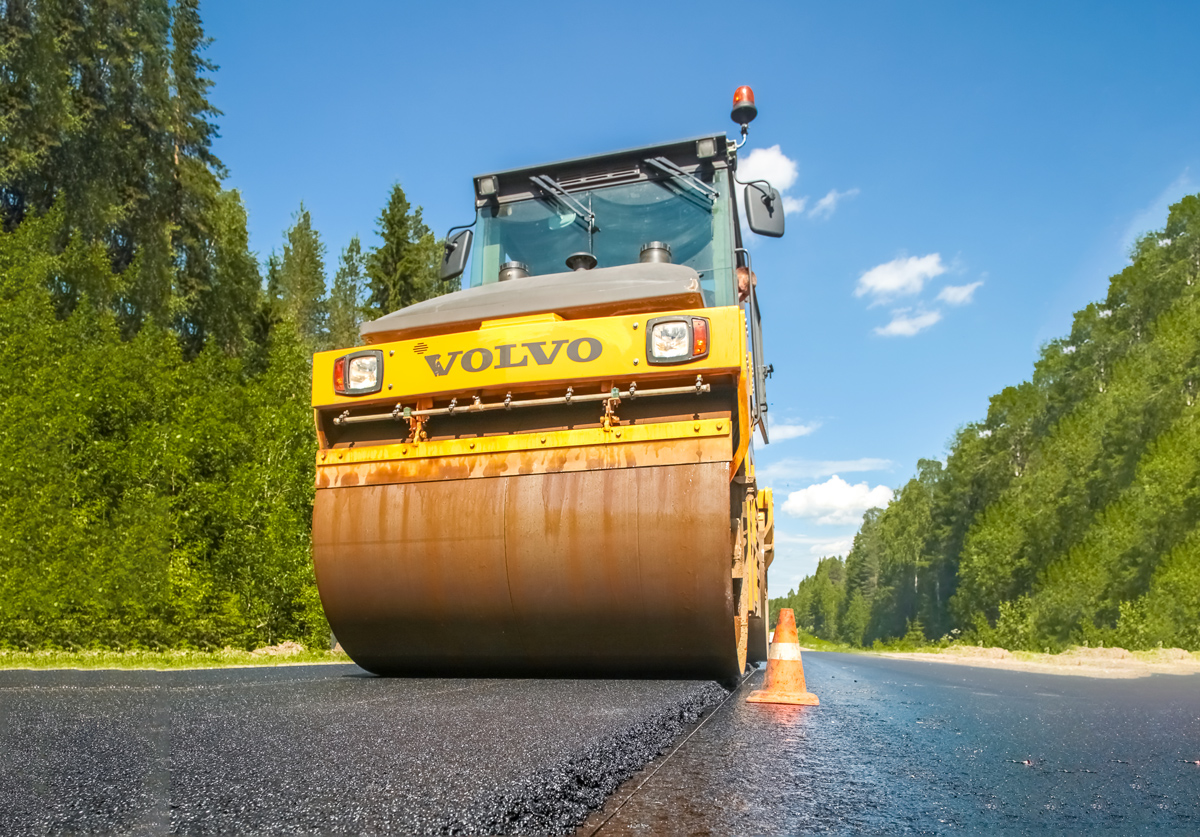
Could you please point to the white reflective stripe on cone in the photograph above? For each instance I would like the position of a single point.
(784, 651)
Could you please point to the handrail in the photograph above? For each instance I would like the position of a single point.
(401, 413)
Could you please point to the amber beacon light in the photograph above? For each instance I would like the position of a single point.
(744, 110)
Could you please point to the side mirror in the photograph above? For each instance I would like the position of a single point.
(764, 210)
(454, 258)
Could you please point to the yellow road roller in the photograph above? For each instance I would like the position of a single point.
(550, 472)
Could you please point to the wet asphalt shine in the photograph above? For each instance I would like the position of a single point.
(895, 747)
(906, 747)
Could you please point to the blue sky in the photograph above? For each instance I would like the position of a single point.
(1010, 153)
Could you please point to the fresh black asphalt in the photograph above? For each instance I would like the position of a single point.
(895, 747)
(903, 747)
(323, 749)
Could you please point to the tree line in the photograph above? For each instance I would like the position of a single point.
(1071, 513)
(156, 443)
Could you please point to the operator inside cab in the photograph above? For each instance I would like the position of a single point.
(746, 280)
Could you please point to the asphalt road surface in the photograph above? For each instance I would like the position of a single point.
(323, 749)
(895, 747)
(906, 747)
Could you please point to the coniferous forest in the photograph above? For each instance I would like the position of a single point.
(1071, 514)
(156, 440)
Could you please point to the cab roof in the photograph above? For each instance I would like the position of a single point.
(605, 169)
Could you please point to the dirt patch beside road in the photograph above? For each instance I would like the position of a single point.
(1079, 662)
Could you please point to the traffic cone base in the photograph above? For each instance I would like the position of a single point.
(784, 680)
(790, 698)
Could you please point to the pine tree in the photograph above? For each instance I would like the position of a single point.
(301, 281)
(403, 269)
(863, 562)
(195, 172)
(346, 306)
(38, 107)
(855, 619)
(228, 300)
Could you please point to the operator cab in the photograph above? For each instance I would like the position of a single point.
(663, 203)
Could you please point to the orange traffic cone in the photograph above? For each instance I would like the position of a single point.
(784, 681)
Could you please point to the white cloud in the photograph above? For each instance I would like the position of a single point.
(900, 277)
(958, 294)
(826, 205)
(771, 165)
(904, 324)
(787, 470)
(838, 545)
(781, 432)
(836, 502)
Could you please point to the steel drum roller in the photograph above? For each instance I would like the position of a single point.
(621, 571)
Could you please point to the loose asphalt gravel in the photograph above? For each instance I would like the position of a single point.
(323, 749)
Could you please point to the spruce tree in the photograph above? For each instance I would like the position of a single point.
(403, 269)
(39, 109)
(227, 302)
(346, 297)
(301, 281)
(195, 170)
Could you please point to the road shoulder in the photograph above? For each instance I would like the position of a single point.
(1077, 662)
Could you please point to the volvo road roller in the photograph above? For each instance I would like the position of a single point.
(550, 472)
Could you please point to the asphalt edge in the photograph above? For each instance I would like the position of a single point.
(562, 799)
(602, 815)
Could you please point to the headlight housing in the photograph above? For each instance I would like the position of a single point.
(360, 373)
(676, 339)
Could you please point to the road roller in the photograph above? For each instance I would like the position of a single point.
(551, 471)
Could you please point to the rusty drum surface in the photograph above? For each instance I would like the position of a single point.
(622, 571)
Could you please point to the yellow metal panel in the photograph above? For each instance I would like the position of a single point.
(511, 321)
(531, 352)
(586, 437)
(766, 504)
(632, 456)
